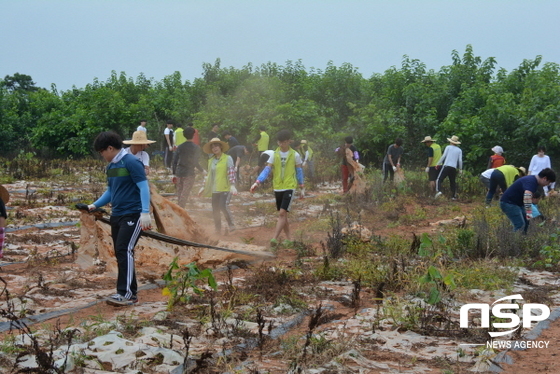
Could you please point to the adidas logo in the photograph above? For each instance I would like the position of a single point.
(130, 223)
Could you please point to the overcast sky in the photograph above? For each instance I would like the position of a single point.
(72, 42)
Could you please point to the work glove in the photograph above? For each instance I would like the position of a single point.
(394, 168)
(233, 190)
(438, 167)
(427, 169)
(254, 187)
(91, 207)
(174, 179)
(304, 163)
(145, 221)
(171, 148)
(529, 215)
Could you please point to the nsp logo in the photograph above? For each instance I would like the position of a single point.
(498, 311)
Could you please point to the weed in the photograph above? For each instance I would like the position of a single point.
(483, 275)
(438, 284)
(180, 279)
(355, 296)
(43, 351)
(335, 246)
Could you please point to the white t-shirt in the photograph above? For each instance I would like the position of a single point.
(538, 163)
(141, 128)
(283, 157)
(488, 173)
(142, 156)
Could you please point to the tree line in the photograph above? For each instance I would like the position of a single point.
(470, 98)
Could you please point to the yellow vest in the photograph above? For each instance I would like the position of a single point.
(510, 172)
(219, 176)
(179, 137)
(262, 144)
(437, 154)
(284, 178)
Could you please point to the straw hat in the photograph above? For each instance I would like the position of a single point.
(303, 142)
(428, 139)
(454, 140)
(139, 137)
(207, 148)
(4, 194)
(523, 170)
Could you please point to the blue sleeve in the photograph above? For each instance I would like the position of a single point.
(104, 199)
(299, 175)
(136, 169)
(264, 174)
(144, 195)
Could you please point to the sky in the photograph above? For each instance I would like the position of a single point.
(70, 43)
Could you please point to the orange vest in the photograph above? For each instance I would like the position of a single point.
(497, 161)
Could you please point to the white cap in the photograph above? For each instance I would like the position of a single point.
(497, 149)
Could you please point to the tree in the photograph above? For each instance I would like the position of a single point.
(19, 82)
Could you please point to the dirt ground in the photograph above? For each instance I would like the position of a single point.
(249, 211)
(535, 360)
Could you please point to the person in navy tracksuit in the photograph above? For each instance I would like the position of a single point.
(129, 195)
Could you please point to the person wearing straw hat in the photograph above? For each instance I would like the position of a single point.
(138, 144)
(433, 154)
(220, 182)
(4, 198)
(448, 164)
(185, 160)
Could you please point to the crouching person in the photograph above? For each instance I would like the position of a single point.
(517, 201)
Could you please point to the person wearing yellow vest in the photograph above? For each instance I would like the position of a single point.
(502, 177)
(434, 154)
(285, 162)
(262, 141)
(220, 182)
(179, 136)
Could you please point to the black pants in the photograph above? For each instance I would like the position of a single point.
(220, 202)
(497, 179)
(388, 172)
(168, 157)
(125, 231)
(451, 172)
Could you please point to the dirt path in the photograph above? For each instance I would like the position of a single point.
(538, 360)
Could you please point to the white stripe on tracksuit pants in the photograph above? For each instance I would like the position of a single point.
(125, 231)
